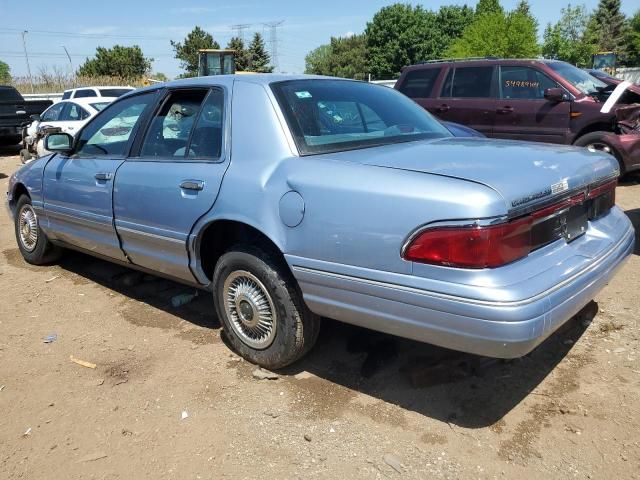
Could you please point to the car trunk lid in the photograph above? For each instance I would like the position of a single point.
(524, 174)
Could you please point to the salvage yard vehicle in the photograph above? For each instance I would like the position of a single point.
(14, 112)
(88, 92)
(538, 100)
(293, 198)
(65, 116)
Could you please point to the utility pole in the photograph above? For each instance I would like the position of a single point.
(69, 57)
(240, 28)
(273, 42)
(26, 57)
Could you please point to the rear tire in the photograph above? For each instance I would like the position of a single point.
(261, 308)
(34, 245)
(596, 141)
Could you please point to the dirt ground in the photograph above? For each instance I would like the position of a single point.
(168, 399)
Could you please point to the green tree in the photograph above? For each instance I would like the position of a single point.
(160, 77)
(566, 40)
(400, 35)
(316, 61)
(608, 29)
(451, 21)
(187, 51)
(511, 35)
(241, 55)
(259, 58)
(118, 61)
(5, 72)
(633, 56)
(348, 57)
(489, 6)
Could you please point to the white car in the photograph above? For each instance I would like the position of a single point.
(87, 92)
(68, 115)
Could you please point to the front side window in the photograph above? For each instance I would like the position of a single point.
(336, 115)
(53, 112)
(419, 83)
(471, 82)
(524, 83)
(110, 131)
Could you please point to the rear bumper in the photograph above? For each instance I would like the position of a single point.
(502, 329)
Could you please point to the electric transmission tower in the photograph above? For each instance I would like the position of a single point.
(240, 28)
(273, 42)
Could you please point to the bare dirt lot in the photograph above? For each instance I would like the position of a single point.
(168, 399)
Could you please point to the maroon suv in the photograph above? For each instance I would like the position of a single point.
(537, 100)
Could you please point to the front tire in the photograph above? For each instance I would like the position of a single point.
(597, 141)
(261, 308)
(34, 245)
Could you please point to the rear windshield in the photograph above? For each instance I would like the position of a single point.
(586, 83)
(335, 115)
(99, 105)
(113, 92)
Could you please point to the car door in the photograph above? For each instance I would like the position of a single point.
(173, 179)
(468, 96)
(72, 118)
(78, 188)
(523, 113)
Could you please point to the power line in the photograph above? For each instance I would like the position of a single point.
(239, 29)
(273, 41)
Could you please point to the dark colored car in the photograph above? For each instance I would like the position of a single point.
(536, 100)
(14, 112)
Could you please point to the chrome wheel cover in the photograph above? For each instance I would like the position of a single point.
(249, 309)
(599, 147)
(28, 228)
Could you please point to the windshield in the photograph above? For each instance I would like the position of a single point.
(114, 92)
(583, 81)
(100, 105)
(335, 115)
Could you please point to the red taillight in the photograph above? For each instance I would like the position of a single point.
(604, 188)
(496, 245)
(472, 247)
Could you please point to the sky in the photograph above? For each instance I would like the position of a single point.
(81, 26)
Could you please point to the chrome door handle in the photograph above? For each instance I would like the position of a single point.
(192, 184)
(104, 176)
(443, 108)
(505, 109)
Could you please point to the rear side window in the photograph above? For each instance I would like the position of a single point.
(73, 112)
(524, 83)
(187, 126)
(87, 92)
(468, 82)
(419, 83)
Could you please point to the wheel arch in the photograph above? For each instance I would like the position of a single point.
(593, 127)
(18, 190)
(215, 237)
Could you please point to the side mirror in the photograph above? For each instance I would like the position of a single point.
(554, 94)
(58, 142)
(35, 117)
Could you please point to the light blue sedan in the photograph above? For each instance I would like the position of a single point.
(292, 198)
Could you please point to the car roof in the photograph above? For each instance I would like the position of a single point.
(90, 100)
(480, 61)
